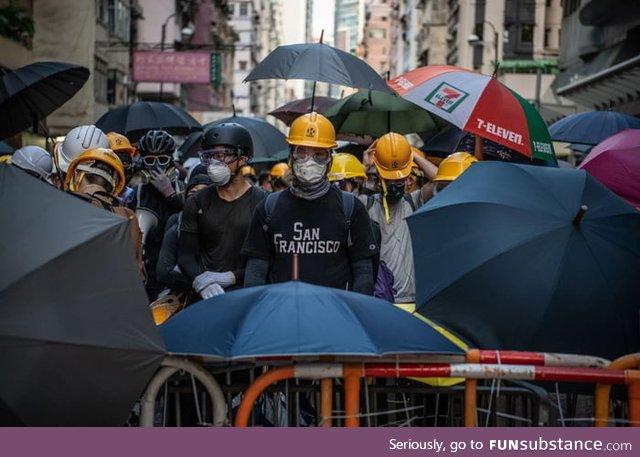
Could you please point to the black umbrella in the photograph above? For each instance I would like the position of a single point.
(134, 119)
(318, 62)
(190, 147)
(267, 140)
(34, 91)
(77, 340)
(289, 112)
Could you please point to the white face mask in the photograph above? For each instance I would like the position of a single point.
(219, 173)
(309, 172)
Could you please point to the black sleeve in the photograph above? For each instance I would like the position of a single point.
(363, 243)
(362, 271)
(257, 243)
(256, 273)
(166, 273)
(176, 202)
(189, 241)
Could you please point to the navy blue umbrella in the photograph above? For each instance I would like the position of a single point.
(591, 127)
(530, 258)
(267, 139)
(298, 319)
(6, 148)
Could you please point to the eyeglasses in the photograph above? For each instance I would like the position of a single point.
(397, 182)
(151, 161)
(304, 153)
(226, 155)
(344, 184)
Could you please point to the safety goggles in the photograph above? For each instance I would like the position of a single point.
(304, 153)
(344, 184)
(226, 155)
(151, 161)
(396, 182)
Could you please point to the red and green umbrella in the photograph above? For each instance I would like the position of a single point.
(479, 104)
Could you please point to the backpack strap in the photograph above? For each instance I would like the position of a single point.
(370, 201)
(269, 207)
(348, 203)
(409, 199)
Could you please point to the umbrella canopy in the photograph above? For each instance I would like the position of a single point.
(135, 119)
(77, 340)
(452, 139)
(616, 163)
(298, 319)
(267, 139)
(318, 62)
(34, 91)
(374, 113)
(530, 258)
(479, 104)
(591, 127)
(291, 111)
(6, 149)
(190, 147)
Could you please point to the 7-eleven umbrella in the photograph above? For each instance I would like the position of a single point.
(479, 104)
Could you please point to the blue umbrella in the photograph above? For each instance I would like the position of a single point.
(267, 139)
(530, 258)
(298, 319)
(591, 127)
(6, 149)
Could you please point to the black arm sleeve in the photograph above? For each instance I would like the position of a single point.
(176, 202)
(166, 272)
(188, 254)
(256, 272)
(362, 271)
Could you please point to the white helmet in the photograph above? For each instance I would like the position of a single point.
(76, 142)
(36, 160)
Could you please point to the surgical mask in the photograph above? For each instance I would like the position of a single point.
(395, 193)
(309, 172)
(219, 173)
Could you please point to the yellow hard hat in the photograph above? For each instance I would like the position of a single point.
(247, 170)
(312, 129)
(120, 143)
(278, 170)
(454, 165)
(102, 162)
(346, 166)
(393, 156)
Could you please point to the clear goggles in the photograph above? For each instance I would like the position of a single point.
(152, 161)
(224, 154)
(304, 153)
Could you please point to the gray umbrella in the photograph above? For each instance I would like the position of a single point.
(318, 62)
(77, 340)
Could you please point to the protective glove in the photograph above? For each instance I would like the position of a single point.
(161, 182)
(207, 278)
(211, 291)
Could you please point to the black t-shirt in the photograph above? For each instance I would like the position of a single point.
(221, 226)
(316, 230)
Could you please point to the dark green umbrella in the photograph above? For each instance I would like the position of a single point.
(370, 112)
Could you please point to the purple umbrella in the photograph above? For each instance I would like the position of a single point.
(616, 163)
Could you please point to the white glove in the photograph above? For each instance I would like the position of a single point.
(161, 182)
(211, 291)
(207, 278)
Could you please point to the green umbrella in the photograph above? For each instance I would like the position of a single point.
(369, 112)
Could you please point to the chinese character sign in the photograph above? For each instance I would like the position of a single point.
(175, 67)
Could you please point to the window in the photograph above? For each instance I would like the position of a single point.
(242, 65)
(526, 33)
(547, 37)
(377, 33)
(245, 36)
(102, 11)
(244, 9)
(100, 79)
(119, 19)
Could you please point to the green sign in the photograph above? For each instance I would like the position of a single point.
(216, 68)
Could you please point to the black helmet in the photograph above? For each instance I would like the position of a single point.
(228, 134)
(156, 142)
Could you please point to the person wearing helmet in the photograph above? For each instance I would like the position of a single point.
(75, 142)
(215, 221)
(347, 173)
(450, 168)
(249, 174)
(393, 161)
(37, 162)
(280, 177)
(327, 229)
(159, 196)
(126, 153)
(97, 176)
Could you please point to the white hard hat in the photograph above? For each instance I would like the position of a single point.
(34, 159)
(76, 142)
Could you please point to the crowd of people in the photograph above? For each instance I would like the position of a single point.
(326, 218)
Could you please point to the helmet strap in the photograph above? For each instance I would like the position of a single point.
(385, 205)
